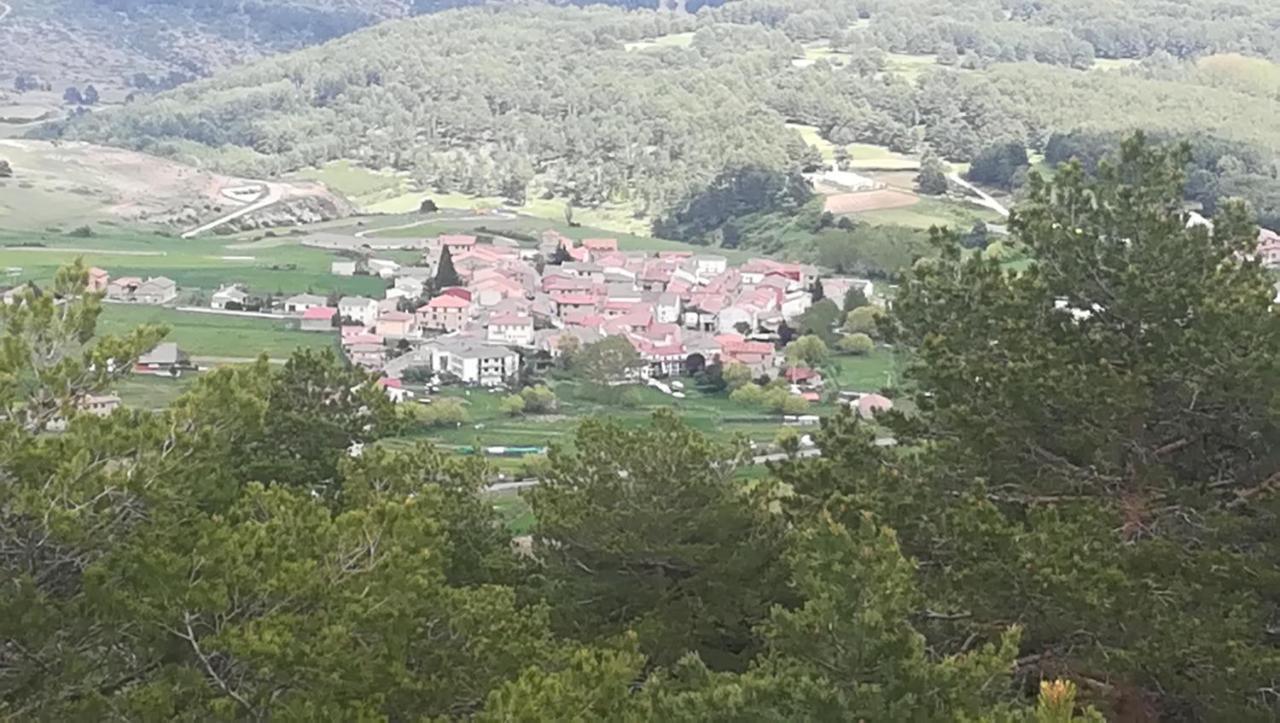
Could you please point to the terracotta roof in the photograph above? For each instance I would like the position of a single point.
(317, 313)
(446, 301)
(576, 300)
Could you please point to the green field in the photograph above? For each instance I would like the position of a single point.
(215, 335)
(533, 227)
(931, 212)
(867, 156)
(674, 40)
(270, 266)
(870, 373)
(151, 392)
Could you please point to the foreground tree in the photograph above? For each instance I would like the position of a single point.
(1096, 447)
(643, 529)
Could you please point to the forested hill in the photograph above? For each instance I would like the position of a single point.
(596, 104)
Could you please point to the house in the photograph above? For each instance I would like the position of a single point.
(668, 309)
(359, 309)
(233, 295)
(730, 317)
(99, 405)
(367, 355)
(600, 245)
(318, 318)
(456, 242)
(412, 287)
(513, 329)
(384, 268)
(343, 268)
(99, 279)
(395, 389)
(569, 304)
(487, 365)
(396, 325)
(445, 312)
(157, 290)
(165, 359)
(837, 287)
(869, 405)
(1269, 248)
(707, 266)
(122, 289)
(302, 302)
(758, 356)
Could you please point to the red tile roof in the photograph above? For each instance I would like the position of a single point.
(318, 313)
(446, 301)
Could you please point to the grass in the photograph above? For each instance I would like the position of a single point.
(870, 157)
(514, 512)
(151, 392)
(673, 40)
(352, 181)
(932, 212)
(869, 373)
(275, 266)
(910, 67)
(533, 227)
(214, 335)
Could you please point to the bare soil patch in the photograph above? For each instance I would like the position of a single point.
(864, 201)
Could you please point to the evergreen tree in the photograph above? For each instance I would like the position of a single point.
(446, 275)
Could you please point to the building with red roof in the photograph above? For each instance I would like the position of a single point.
(445, 312)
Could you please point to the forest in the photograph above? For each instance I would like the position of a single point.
(533, 101)
(1077, 520)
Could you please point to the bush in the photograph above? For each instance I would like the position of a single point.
(538, 400)
(751, 395)
(444, 413)
(512, 406)
(856, 344)
(81, 232)
(862, 320)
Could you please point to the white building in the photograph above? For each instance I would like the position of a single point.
(302, 302)
(359, 309)
(475, 363)
(384, 268)
(729, 317)
(228, 295)
(668, 309)
(343, 268)
(513, 329)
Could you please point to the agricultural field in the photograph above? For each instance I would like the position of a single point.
(415, 226)
(931, 212)
(216, 338)
(278, 265)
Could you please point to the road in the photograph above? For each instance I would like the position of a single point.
(986, 199)
(272, 194)
(517, 485)
(5, 9)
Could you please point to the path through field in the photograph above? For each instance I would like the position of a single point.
(272, 194)
(985, 198)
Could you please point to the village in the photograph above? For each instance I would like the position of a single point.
(488, 312)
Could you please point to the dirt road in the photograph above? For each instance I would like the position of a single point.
(985, 198)
(272, 194)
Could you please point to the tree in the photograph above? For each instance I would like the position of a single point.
(512, 405)
(72, 96)
(428, 206)
(617, 556)
(315, 409)
(443, 413)
(6, 170)
(809, 351)
(854, 298)
(736, 375)
(820, 320)
(607, 362)
(90, 95)
(538, 400)
(446, 275)
(997, 164)
(856, 344)
(1055, 404)
(932, 179)
(863, 320)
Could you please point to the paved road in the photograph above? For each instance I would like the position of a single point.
(272, 194)
(517, 485)
(986, 199)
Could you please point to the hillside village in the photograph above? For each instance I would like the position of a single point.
(476, 310)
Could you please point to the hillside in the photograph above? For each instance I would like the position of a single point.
(659, 113)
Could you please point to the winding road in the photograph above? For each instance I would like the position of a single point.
(272, 193)
(5, 9)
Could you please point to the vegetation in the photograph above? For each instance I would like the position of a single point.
(239, 554)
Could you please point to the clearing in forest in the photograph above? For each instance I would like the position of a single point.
(864, 201)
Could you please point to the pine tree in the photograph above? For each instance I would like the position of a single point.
(446, 275)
